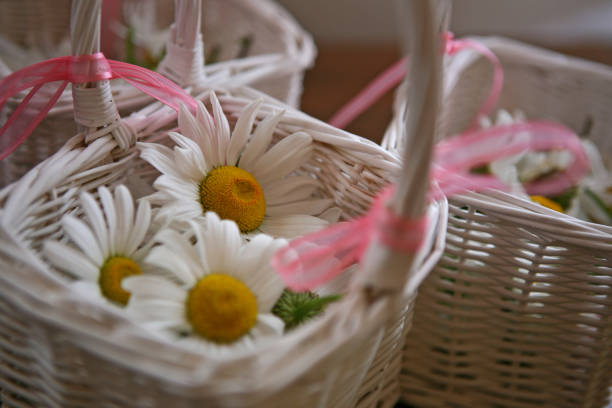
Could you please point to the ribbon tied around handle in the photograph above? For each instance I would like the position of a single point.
(307, 262)
(48, 79)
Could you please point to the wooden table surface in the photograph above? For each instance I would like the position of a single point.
(341, 71)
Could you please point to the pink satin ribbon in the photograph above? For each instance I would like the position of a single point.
(314, 259)
(48, 79)
(393, 75)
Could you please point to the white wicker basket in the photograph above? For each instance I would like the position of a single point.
(518, 312)
(279, 54)
(58, 349)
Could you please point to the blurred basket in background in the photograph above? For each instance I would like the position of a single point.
(279, 52)
(518, 311)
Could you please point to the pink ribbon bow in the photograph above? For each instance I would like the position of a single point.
(314, 259)
(48, 79)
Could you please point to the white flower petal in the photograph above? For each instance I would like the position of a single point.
(179, 211)
(268, 325)
(222, 130)
(291, 226)
(209, 142)
(96, 220)
(189, 127)
(309, 207)
(82, 236)
(222, 242)
(188, 157)
(158, 156)
(111, 218)
(175, 260)
(178, 189)
(257, 273)
(153, 310)
(140, 228)
(241, 133)
(290, 189)
(259, 141)
(143, 286)
(70, 260)
(283, 158)
(124, 205)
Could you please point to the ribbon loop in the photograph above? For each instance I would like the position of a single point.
(48, 79)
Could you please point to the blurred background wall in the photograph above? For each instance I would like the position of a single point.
(546, 22)
(357, 39)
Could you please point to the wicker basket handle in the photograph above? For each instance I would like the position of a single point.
(184, 59)
(95, 111)
(385, 269)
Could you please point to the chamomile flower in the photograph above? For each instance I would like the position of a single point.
(218, 292)
(524, 167)
(240, 177)
(106, 247)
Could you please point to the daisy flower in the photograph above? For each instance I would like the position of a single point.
(108, 246)
(524, 167)
(240, 177)
(218, 292)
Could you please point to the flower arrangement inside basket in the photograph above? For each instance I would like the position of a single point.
(589, 199)
(192, 261)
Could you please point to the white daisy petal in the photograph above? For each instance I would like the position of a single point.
(256, 272)
(290, 189)
(189, 126)
(167, 258)
(259, 141)
(89, 290)
(283, 158)
(198, 232)
(209, 142)
(125, 217)
(221, 241)
(309, 207)
(222, 131)
(153, 310)
(143, 286)
(178, 189)
(291, 226)
(158, 156)
(111, 218)
(242, 130)
(140, 227)
(268, 325)
(179, 210)
(96, 220)
(70, 260)
(188, 157)
(82, 236)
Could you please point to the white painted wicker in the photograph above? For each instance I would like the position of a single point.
(518, 312)
(279, 54)
(58, 349)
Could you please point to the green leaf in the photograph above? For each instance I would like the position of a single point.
(599, 202)
(295, 308)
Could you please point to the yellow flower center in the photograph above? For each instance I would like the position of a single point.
(112, 273)
(546, 202)
(220, 308)
(234, 194)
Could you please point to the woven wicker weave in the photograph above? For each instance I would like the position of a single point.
(279, 54)
(58, 349)
(518, 312)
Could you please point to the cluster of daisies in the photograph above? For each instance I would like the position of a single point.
(192, 260)
(590, 200)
